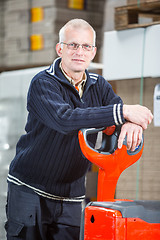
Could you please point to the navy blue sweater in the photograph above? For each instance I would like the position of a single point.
(48, 157)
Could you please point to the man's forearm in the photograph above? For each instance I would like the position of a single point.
(137, 114)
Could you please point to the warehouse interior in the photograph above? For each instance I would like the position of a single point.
(128, 50)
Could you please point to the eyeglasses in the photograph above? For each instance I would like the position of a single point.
(75, 46)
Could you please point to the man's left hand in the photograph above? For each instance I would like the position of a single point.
(133, 133)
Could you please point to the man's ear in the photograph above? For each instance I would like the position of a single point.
(59, 49)
(94, 52)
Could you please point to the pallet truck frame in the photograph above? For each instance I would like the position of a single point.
(109, 218)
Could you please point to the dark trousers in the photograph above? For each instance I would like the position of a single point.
(32, 217)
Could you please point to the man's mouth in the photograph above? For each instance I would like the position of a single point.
(78, 60)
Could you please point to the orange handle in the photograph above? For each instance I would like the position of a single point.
(111, 163)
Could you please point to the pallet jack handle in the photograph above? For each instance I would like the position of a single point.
(110, 160)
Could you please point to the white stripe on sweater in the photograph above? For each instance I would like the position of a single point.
(119, 114)
(16, 181)
(115, 114)
(93, 75)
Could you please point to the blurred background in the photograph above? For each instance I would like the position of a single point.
(128, 37)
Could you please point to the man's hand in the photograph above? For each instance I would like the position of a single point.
(137, 114)
(133, 133)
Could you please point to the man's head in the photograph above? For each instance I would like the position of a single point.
(76, 24)
(76, 46)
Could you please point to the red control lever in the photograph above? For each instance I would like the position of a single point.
(110, 160)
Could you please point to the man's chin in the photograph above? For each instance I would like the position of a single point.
(79, 70)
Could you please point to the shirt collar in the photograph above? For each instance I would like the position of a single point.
(70, 79)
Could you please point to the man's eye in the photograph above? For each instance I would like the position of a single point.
(86, 46)
(73, 45)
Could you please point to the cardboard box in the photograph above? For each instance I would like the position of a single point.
(16, 30)
(94, 18)
(95, 6)
(16, 23)
(18, 17)
(50, 41)
(16, 5)
(17, 59)
(42, 3)
(44, 27)
(16, 45)
(43, 57)
(47, 25)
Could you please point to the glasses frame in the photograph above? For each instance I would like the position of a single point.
(77, 45)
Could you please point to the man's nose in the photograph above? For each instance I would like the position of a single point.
(80, 49)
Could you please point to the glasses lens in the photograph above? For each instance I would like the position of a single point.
(73, 46)
(87, 47)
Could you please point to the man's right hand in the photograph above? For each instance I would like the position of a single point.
(137, 114)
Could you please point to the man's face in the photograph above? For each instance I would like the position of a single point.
(76, 61)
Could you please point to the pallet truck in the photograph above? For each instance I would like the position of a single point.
(109, 218)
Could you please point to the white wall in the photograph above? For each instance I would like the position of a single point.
(132, 53)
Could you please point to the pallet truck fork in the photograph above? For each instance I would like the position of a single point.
(109, 218)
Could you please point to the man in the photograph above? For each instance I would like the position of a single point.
(46, 177)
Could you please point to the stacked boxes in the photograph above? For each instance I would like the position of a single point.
(44, 29)
(18, 29)
(30, 29)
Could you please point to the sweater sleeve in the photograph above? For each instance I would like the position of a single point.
(47, 104)
(110, 98)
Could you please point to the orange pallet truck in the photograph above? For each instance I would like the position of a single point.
(109, 218)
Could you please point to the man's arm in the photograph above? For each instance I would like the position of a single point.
(137, 114)
(138, 117)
